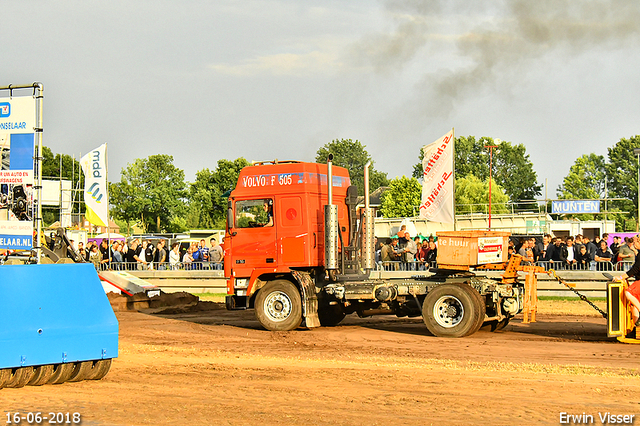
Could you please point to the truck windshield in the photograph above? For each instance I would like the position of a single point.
(254, 213)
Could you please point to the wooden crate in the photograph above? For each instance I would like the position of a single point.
(462, 249)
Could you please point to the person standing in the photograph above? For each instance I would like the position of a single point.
(409, 252)
(174, 256)
(526, 252)
(216, 254)
(160, 257)
(625, 251)
(632, 293)
(603, 257)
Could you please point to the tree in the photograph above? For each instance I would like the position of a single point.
(472, 196)
(402, 199)
(207, 200)
(622, 177)
(586, 179)
(151, 191)
(512, 168)
(353, 157)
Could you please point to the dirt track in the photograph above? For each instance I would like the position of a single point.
(216, 367)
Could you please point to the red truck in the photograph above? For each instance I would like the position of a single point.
(297, 249)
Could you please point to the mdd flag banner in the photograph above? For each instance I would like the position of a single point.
(17, 149)
(94, 167)
(437, 185)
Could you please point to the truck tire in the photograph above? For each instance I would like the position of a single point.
(330, 315)
(453, 310)
(499, 325)
(483, 309)
(278, 306)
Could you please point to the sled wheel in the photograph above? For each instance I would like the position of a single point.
(80, 371)
(330, 315)
(61, 373)
(19, 377)
(42, 374)
(100, 369)
(5, 373)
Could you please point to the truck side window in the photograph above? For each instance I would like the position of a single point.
(254, 213)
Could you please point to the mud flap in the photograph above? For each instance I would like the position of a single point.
(309, 299)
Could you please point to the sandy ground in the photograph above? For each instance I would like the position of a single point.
(214, 367)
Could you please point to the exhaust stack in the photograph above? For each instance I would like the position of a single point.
(330, 223)
(368, 249)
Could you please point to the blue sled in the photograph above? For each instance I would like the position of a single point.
(57, 325)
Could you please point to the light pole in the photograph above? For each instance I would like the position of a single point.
(636, 151)
(496, 141)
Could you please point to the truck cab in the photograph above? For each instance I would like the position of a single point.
(275, 224)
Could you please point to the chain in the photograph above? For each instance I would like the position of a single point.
(581, 296)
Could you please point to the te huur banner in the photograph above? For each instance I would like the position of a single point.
(575, 206)
(17, 147)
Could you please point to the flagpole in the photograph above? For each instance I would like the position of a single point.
(453, 141)
(106, 176)
(38, 186)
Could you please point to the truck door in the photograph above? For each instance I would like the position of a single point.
(253, 236)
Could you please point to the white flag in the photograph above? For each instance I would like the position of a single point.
(437, 185)
(95, 185)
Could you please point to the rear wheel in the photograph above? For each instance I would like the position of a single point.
(500, 324)
(453, 310)
(330, 315)
(278, 306)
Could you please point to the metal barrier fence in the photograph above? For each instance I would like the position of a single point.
(591, 266)
(558, 266)
(160, 266)
(404, 266)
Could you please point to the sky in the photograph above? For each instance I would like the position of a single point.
(278, 79)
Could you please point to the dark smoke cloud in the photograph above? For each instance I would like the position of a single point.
(490, 40)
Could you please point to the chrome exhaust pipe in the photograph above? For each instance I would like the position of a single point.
(330, 223)
(368, 249)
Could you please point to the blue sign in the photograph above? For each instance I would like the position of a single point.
(5, 109)
(575, 206)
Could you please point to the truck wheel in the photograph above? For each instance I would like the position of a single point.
(483, 309)
(278, 306)
(500, 324)
(496, 325)
(452, 310)
(330, 315)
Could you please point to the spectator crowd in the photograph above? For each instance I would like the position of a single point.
(403, 252)
(406, 253)
(141, 254)
(579, 252)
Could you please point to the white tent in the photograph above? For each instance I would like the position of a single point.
(106, 236)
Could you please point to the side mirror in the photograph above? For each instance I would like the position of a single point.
(229, 216)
